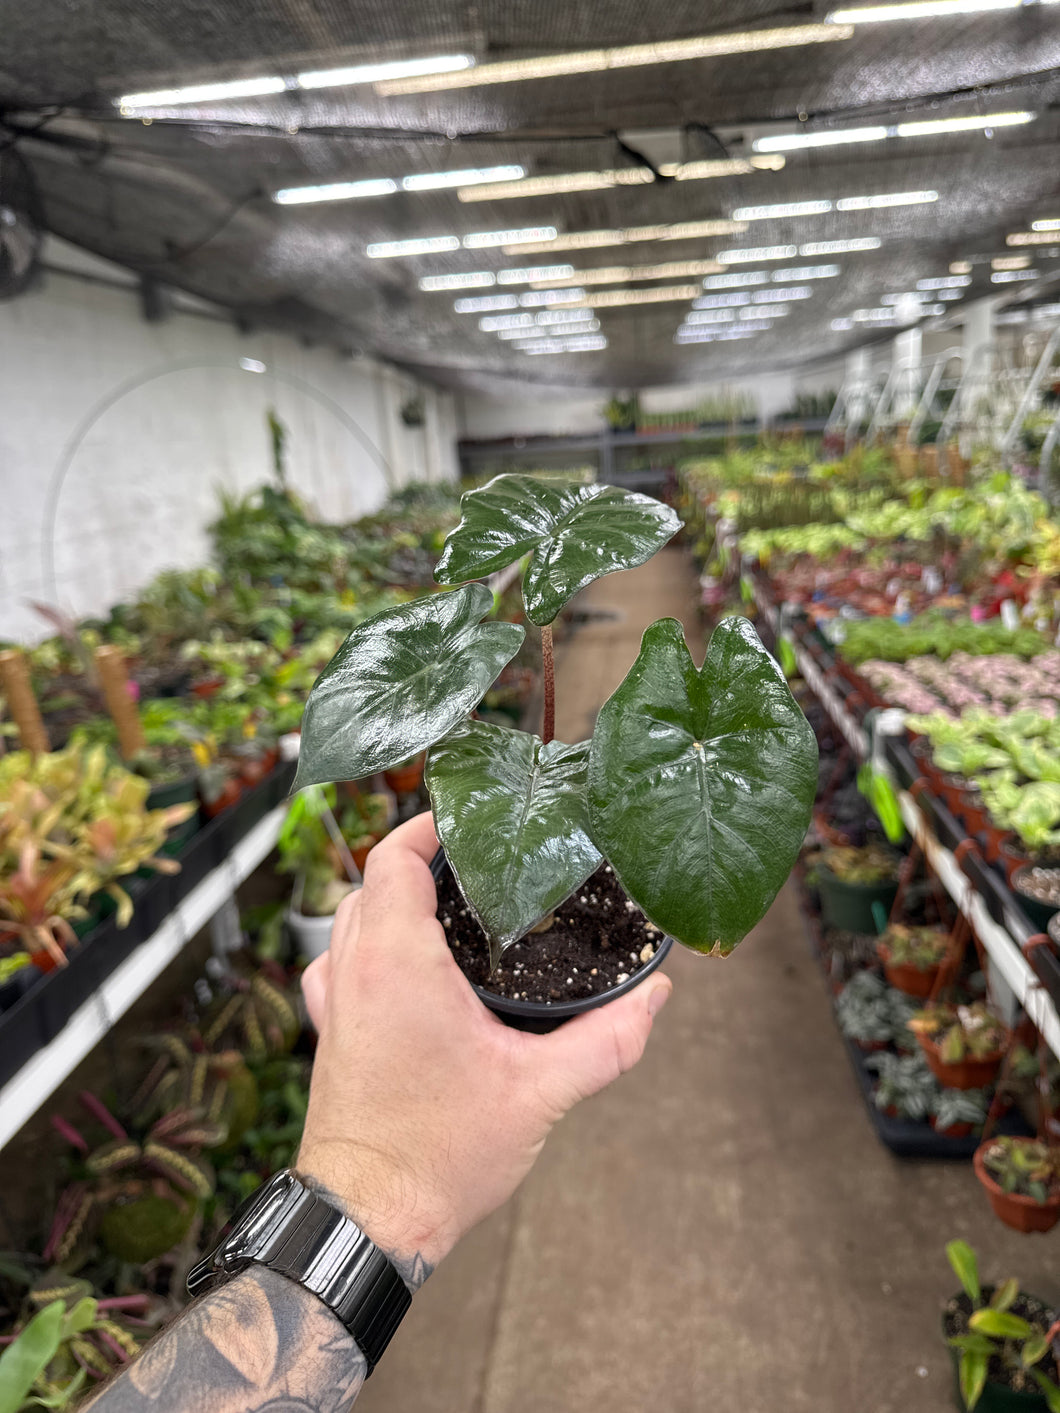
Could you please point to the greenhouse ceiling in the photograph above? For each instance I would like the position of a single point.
(600, 194)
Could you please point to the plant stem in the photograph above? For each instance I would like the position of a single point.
(548, 729)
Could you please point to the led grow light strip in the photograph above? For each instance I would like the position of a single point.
(590, 61)
(376, 73)
(923, 10)
(632, 235)
(477, 240)
(614, 298)
(563, 183)
(794, 141)
(621, 274)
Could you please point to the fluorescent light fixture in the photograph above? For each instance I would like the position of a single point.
(793, 141)
(890, 198)
(558, 185)
(585, 326)
(1047, 311)
(202, 93)
(710, 316)
(395, 69)
(870, 316)
(839, 247)
(922, 10)
(931, 309)
(806, 272)
(740, 331)
(1032, 238)
(623, 274)
(1050, 225)
(842, 325)
(772, 311)
(959, 267)
(788, 208)
(435, 181)
(486, 240)
(781, 296)
(484, 303)
(479, 279)
(535, 298)
(958, 280)
(737, 279)
(753, 254)
(426, 245)
(595, 240)
(590, 61)
(918, 296)
(721, 301)
(491, 324)
(949, 294)
(1008, 277)
(534, 274)
(587, 343)
(974, 123)
(713, 167)
(253, 365)
(561, 316)
(665, 294)
(1010, 262)
(334, 191)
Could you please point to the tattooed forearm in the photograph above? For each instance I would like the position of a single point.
(261, 1344)
(413, 1269)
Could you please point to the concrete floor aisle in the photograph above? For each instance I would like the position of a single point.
(721, 1229)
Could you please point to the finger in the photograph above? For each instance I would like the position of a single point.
(416, 834)
(399, 892)
(347, 926)
(315, 980)
(589, 1052)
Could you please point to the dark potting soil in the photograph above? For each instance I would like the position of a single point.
(598, 939)
(955, 1322)
(1042, 884)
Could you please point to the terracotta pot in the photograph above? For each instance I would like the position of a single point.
(971, 809)
(994, 840)
(954, 1130)
(1013, 857)
(966, 1074)
(360, 854)
(209, 687)
(827, 832)
(405, 780)
(1016, 1211)
(953, 787)
(232, 791)
(252, 772)
(921, 749)
(904, 976)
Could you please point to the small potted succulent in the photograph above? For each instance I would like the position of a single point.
(912, 956)
(852, 881)
(1001, 1342)
(964, 1045)
(681, 817)
(1022, 1179)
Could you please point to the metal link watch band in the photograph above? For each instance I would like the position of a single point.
(288, 1228)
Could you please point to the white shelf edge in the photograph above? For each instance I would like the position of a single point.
(1001, 946)
(41, 1075)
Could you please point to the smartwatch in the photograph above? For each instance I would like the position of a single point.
(288, 1228)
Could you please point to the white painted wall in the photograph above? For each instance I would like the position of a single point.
(142, 483)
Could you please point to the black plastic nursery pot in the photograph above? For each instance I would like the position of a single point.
(848, 906)
(995, 1398)
(1038, 911)
(539, 1017)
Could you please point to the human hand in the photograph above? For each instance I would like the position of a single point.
(425, 1110)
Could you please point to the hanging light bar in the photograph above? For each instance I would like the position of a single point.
(436, 181)
(534, 274)
(755, 253)
(781, 211)
(1050, 225)
(426, 245)
(621, 274)
(478, 279)
(1033, 238)
(558, 185)
(614, 298)
(887, 199)
(487, 240)
(334, 191)
(923, 10)
(376, 73)
(201, 93)
(633, 235)
(957, 281)
(481, 304)
(839, 247)
(794, 141)
(591, 61)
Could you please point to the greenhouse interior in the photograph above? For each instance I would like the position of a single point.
(513, 517)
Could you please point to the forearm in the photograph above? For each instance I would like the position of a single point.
(260, 1342)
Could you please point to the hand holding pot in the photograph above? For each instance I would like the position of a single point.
(426, 1111)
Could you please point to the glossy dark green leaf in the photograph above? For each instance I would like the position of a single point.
(511, 816)
(400, 681)
(576, 534)
(701, 783)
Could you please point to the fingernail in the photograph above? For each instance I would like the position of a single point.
(658, 999)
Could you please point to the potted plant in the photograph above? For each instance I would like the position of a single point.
(912, 955)
(364, 819)
(404, 776)
(871, 1013)
(851, 881)
(1000, 1341)
(1022, 1179)
(964, 1045)
(686, 810)
(958, 1111)
(905, 1088)
(311, 847)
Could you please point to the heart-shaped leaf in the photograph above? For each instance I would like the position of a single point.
(400, 681)
(576, 534)
(511, 816)
(701, 783)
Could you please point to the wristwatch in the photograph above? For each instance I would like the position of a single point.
(288, 1228)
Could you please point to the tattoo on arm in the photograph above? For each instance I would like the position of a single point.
(261, 1344)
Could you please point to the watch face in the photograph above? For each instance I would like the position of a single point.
(238, 1240)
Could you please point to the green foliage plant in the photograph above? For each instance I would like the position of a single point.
(696, 786)
(874, 863)
(960, 1032)
(1026, 1166)
(920, 947)
(997, 1335)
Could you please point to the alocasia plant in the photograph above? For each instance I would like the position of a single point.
(696, 786)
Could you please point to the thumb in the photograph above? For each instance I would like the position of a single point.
(589, 1052)
(315, 980)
